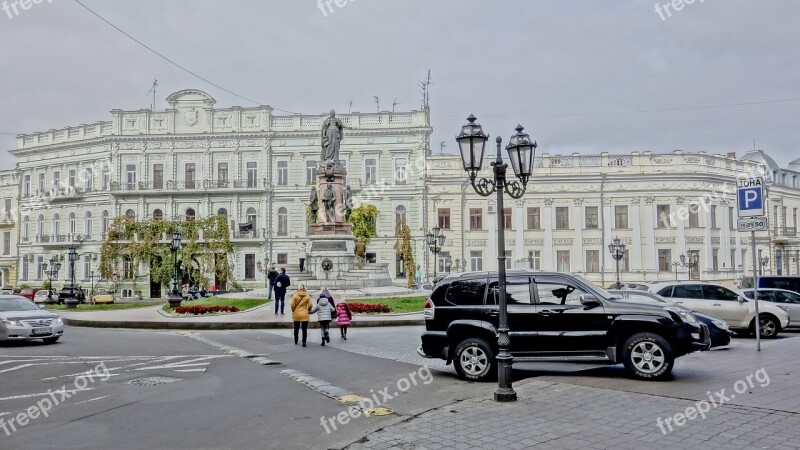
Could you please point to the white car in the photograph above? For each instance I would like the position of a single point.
(41, 296)
(788, 301)
(21, 320)
(721, 302)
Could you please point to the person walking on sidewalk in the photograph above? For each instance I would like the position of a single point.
(328, 295)
(343, 317)
(302, 256)
(271, 276)
(301, 305)
(418, 276)
(324, 312)
(282, 282)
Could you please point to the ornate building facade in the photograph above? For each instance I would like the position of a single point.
(8, 228)
(193, 160)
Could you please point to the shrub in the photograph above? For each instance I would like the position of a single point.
(200, 309)
(368, 308)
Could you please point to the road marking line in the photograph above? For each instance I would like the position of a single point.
(258, 359)
(190, 370)
(42, 394)
(172, 366)
(94, 399)
(20, 367)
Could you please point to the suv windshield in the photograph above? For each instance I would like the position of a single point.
(17, 304)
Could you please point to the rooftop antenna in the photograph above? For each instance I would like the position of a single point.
(153, 90)
(350, 108)
(377, 102)
(424, 88)
(754, 143)
(442, 145)
(395, 103)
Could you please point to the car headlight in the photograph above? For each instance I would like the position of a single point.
(58, 321)
(13, 323)
(685, 316)
(721, 325)
(783, 307)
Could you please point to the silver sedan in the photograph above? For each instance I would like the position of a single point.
(22, 320)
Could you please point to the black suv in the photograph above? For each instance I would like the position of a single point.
(70, 294)
(553, 317)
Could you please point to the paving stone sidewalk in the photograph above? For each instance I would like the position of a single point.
(552, 415)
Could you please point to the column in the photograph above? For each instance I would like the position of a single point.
(548, 260)
(636, 236)
(610, 263)
(651, 256)
(519, 227)
(578, 258)
(725, 239)
(681, 223)
(708, 266)
(490, 257)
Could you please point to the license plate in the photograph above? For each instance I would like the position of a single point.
(42, 331)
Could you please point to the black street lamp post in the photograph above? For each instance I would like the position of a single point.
(175, 296)
(72, 300)
(55, 266)
(617, 249)
(435, 241)
(764, 262)
(521, 150)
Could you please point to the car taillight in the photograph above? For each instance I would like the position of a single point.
(428, 303)
(428, 312)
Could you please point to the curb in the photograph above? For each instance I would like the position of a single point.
(154, 325)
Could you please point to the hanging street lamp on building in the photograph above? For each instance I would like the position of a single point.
(521, 149)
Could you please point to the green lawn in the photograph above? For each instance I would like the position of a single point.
(241, 303)
(398, 305)
(102, 307)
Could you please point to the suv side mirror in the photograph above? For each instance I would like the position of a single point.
(590, 301)
(742, 299)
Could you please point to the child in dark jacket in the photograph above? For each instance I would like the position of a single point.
(324, 312)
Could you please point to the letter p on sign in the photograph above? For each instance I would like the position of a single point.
(750, 195)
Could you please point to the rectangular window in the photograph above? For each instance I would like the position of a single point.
(444, 218)
(507, 218)
(733, 259)
(535, 259)
(562, 218)
(128, 269)
(731, 222)
(222, 175)
(72, 177)
(311, 172)
(130, 176)
(24, 268)
(664, 260)
(562, 260)
(621, 216)
(6, 243)
(41, 183)
(475, 219)
(534, 218)
(283, 173)
(715, 260)
(694, 215)
(39, 267)
(249, 266)
(88, 179)
(283, 258)
(663, 216)
(7, 209)
(592, 261)
(56, 179)
(252, 174)
(87, 266)
(158, 176)
(190, 175)
(475, 260)
(714, 217)
(592, 217)
(400, 171)
(105, 177)
(26, 186)
(370, 171)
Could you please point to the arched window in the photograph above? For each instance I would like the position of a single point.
(88, 223)
(40, 226)
(105, 222)
(283, 222)
(131, 213)
(72, 225)
(158, 215)
(400, 216)
(250, 217)
(26, 228)
(56, 224)
(190, 215)
(222, 212)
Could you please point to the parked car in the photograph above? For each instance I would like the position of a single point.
(71, 292)
(102, 296)
(553, 316)
(21, 320)
(41, 296)
(788, 301)
(28, 293)
(718, 329)
(790, 283)
(724, 303)
(6, 290)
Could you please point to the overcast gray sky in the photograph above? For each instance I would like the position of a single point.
(573, 72)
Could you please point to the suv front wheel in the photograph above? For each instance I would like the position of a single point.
(648, 356)
(768, 326)
(474, 360)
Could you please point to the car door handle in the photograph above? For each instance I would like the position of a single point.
(680, 303)
(717, 304)
(494, 313)
(547, 312)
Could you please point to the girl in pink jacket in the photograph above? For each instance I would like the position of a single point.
(343, 317)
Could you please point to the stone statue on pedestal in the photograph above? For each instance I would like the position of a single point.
(329, 199)
(348, 204)
(314, 205)
(332, 134)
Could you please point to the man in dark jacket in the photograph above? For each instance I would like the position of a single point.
(282, 282)
(271, 276)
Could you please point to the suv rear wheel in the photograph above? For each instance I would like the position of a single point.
(648, 356)
(474, 360)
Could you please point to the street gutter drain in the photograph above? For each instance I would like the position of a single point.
(152, 381)
(378, 411)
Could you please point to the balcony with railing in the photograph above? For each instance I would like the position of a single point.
(208, 185)
(253, 234)
(785, 235)
(6, 220)
(63, 239)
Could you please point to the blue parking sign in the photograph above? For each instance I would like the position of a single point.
(750, 195)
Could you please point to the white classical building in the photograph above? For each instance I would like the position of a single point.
(8, 228)
(660, 205)
(193, 160)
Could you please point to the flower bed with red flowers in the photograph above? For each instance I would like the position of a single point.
(200, 309)
(363, 308)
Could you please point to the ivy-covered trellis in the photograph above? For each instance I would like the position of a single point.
(148, 242)
(403, 248)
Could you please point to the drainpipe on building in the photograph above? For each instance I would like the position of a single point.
(602, 230)
(270, 192)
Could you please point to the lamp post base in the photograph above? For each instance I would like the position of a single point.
(505, 395)
(174, 300)
(505, 392)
